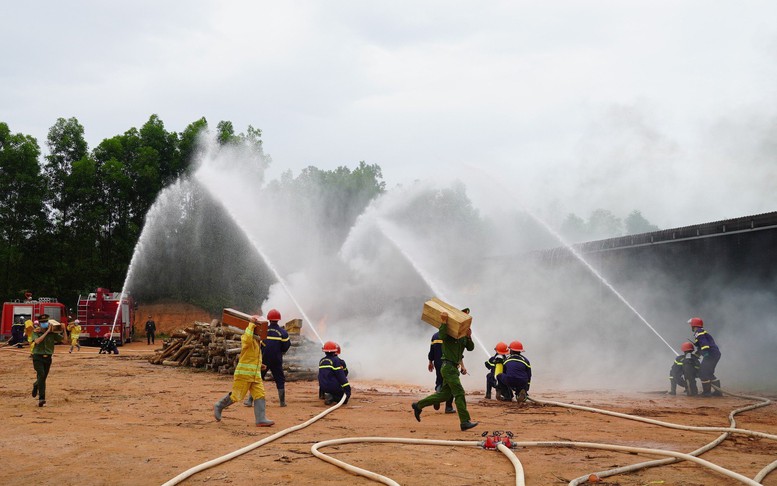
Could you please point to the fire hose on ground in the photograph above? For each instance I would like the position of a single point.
(506, 447)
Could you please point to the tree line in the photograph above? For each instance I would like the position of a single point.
(70, 220)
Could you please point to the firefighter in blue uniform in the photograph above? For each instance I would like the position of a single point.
(273, 349)
(710, 357)
(684, 371)
(491, 365)
(332, 379)
(516, 377)
(435, 364)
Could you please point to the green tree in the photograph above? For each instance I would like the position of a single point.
(636, 223)
(603, 224)
(188, 143)
(22, 217)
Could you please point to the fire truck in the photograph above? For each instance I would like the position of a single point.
(103, 310)
(30, 308)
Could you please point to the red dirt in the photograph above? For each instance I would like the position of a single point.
(118, 420)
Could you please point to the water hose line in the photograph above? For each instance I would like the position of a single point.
(516, 463)
(670, 425)
(401, 440)
(250, 447)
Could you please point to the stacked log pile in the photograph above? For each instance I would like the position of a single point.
(217, 348)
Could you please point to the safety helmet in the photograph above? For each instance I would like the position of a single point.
(686, 347)
(501, 348)
(338, 349)
(330, 347)
(273, 315)
(76, 322)
(696, 322)
(516, 346)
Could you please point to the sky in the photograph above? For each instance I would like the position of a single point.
(662, 106)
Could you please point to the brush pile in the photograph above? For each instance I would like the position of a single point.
(217, 348)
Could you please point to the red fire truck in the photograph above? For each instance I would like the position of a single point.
(103, 310)
(30, 308)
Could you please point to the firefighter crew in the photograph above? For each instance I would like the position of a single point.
(493, 366)
(44, 339)
(516, 377)
(435, 364)
(684, 371)
(332, 375)
(248, 377)
(273, 349)
(150, 330)
(75, 332)
(710, 357)
(452, 354)
(17, 333)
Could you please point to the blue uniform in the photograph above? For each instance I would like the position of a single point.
(332, 377)
(516, 375)
(273, 349)
(684, 371)
(435, 356)
(710, 357)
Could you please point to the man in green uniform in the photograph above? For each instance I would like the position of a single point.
(452, 354)
(44, 340)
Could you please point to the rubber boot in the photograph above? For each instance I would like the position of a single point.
(219, 406)
(249, 401)
(691, 389)
(706, 388)
(282, 396)
(449, 406)
(489, 386)
(673, 388)
(715, 391)
(329, 399)
(259, 410)
(321, 393)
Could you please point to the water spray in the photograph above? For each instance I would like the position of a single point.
(383, 226)
(580, 257)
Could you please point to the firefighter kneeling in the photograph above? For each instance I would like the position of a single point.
(515, 377)
(332, 375)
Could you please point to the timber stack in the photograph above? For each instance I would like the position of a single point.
(216, 347)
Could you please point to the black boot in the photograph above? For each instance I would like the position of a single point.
(489, 386)
(320, 394)
(716, 392)
(282, 396)
(416, 411)
(673, 388)
(706, 388)
(449, 406)
(468, 425)
(219, 406)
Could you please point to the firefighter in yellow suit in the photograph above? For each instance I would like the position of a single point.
(28, 327)
(248, 377)
(75, 332)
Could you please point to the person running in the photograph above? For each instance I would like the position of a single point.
(44, 339)
(452, 355)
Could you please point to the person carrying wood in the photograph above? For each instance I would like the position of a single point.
(44, 337)
(273, 349)
(452, 354)
(247, 377)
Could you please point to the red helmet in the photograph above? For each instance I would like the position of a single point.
(501, 348)
(330, 347)
(338, 349)
(686, 347)
(516, 346)
(273, 315)
(696, 322)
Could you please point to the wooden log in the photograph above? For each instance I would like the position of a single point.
(458, 321)
(241, 320)
(167, 362)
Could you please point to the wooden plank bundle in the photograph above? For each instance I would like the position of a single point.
(458, 321)
(216, 347)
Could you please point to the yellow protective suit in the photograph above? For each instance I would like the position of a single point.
(75, 333)
(248, 373)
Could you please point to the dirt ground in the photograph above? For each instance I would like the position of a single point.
(118, 420)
